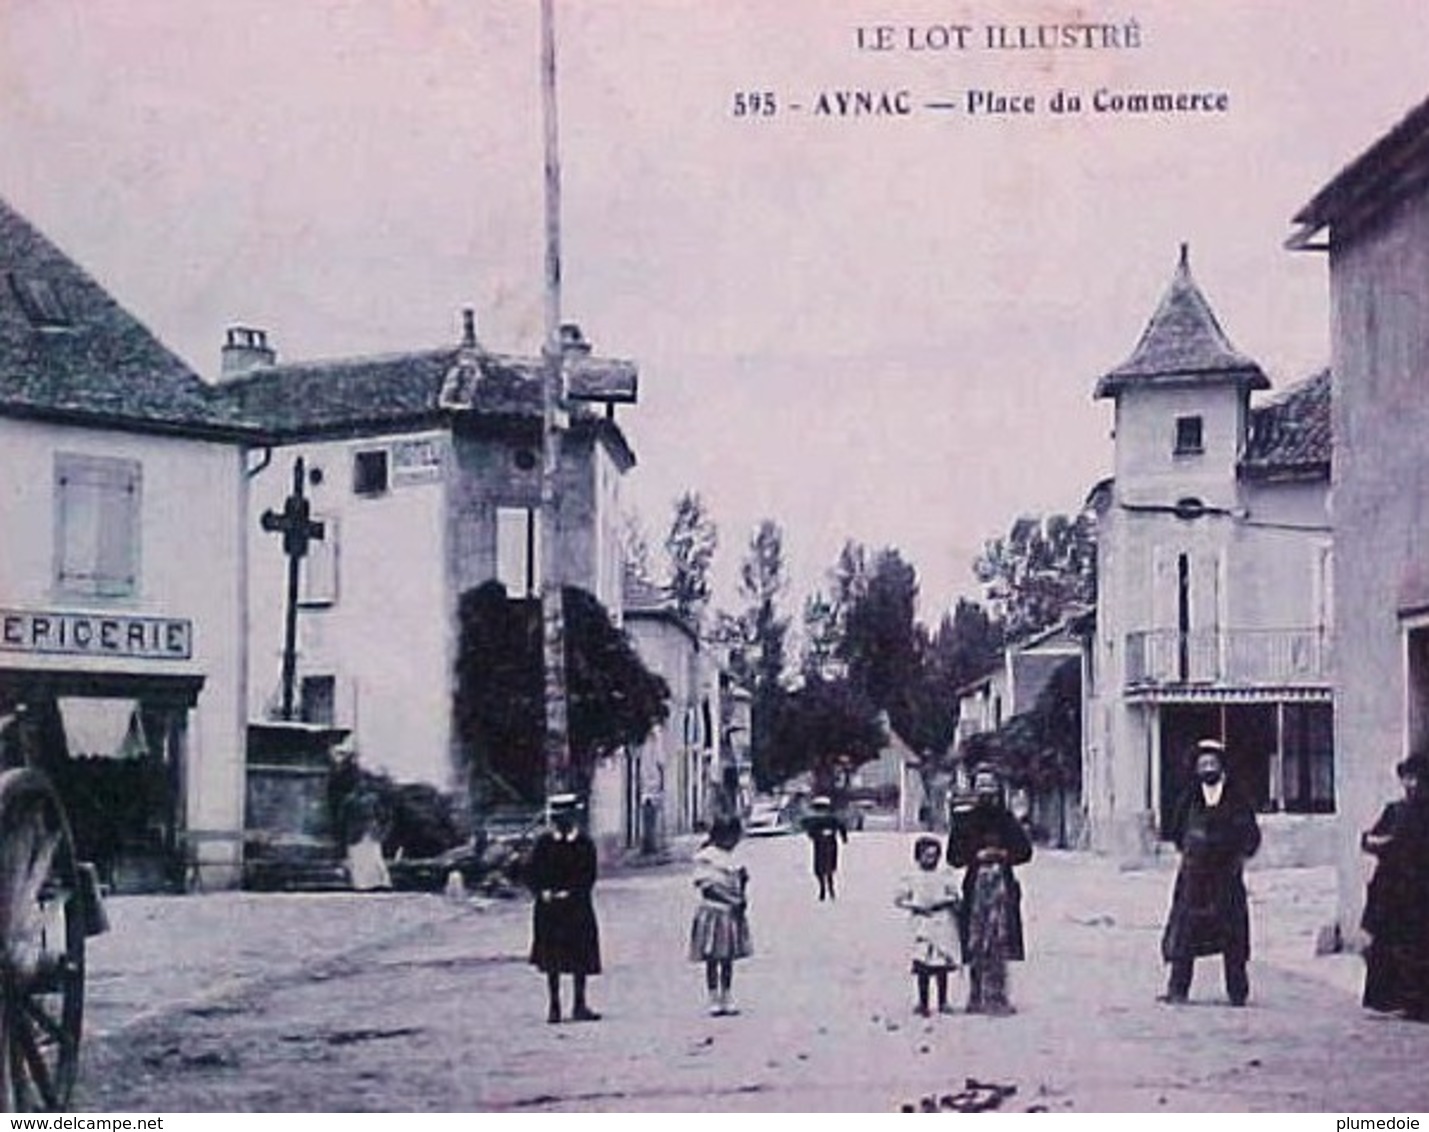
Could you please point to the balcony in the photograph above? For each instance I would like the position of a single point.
(1240, 658)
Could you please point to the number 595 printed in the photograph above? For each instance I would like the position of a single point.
(754, 104)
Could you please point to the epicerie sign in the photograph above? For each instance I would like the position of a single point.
(94, 634)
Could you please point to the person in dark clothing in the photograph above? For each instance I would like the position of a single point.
(1396, 913)
(825, 830)
(987, 841)
(1216, 832)
(565, 938)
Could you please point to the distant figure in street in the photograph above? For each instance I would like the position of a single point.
(825, 829)
(565, 938)
(1396, 913)
(930, 896)
(719, 933)
(1216, 831)
(363, 822)
(987, 842)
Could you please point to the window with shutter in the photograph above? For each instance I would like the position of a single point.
(97, 524)
(518, 552)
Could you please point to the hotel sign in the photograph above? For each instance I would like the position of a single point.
(96, 634)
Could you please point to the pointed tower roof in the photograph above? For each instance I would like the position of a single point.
(1183, 344)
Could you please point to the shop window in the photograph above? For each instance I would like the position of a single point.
(1308, 759)
(518, 551)
(97, 522)
(318, 575)
(370, 472)
(1189, 438)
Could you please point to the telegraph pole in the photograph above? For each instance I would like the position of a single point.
(556, 745)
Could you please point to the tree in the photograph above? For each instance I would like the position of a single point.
(1038, 571)
(825, 727)
(821, 638)
(691, 544)
(880, 642)
(635, 548)
(615, 700)
(762, 581)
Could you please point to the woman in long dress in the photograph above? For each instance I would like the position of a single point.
(1396, 913)
(987, 841)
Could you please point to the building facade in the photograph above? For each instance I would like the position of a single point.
(1215, 577)
(1373, 219)
(122, 605)
(671, 779)
(425, 470)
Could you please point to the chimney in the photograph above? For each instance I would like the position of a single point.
(573, 341)
(468, 328)
(246, 349)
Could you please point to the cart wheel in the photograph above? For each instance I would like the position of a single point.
(41, 947)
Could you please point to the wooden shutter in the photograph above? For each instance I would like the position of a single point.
(97, 525)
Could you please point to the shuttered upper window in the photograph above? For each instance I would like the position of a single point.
(97, 518)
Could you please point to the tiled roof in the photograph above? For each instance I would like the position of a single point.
(641, 598)
(643, 595)
(1393, 167)
(1292, 433)
(1182, 341)
(365, 392)
(304, 396)
(68, 349)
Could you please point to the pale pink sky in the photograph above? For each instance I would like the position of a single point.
(879, 329)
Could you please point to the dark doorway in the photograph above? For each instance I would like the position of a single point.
(116, 757)
(1247, 730)
(1182, 727)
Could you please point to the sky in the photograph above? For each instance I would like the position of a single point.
(881, 327)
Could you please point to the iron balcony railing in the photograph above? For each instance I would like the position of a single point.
(1232, 657)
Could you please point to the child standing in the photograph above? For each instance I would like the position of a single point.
(930, 896)
(825, 830)
(720, 932)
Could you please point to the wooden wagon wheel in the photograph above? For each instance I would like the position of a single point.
(42, 931)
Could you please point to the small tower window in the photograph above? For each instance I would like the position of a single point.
(1189, 438)
(369, 472)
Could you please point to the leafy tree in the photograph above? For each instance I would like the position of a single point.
(826, 727)
(821, 638)
(635, 548)
(614, 700)
(880, 642)
(691, 544)
(762, 582)
(1038, 570)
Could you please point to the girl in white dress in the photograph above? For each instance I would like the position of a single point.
(719, 933)
(930, 896)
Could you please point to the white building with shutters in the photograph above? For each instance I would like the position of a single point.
(1214, 589)
(122, 600)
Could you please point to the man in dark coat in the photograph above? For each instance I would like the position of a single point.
(1216, 831)
(825, 829)
(1396, 913)
(986, 841)
(565, 938)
